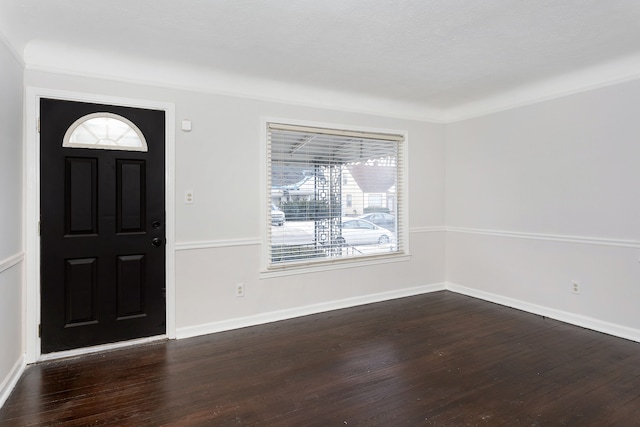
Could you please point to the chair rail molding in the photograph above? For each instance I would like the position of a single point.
(9, 262)
(621, 243)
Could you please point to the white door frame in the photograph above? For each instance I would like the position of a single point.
(31, 191)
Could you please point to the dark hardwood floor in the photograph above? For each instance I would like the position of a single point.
(436, 359)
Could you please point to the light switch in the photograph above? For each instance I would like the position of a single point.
(186, 125)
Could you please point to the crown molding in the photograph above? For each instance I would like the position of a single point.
(12, 50)
(57, 58)
(615, 72)
(62, 59)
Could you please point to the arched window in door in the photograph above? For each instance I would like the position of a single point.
(104, 131)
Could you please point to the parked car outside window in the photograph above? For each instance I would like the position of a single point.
(362, 232)
(381, 219)
(277, 216)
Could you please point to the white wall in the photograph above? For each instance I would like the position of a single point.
(221, 160)
(542, 195)
(536, 197)
(11, 252)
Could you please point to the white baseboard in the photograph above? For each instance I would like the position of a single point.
(563, 316)
(274, 316)
(10, 381)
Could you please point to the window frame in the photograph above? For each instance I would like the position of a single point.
(283, 269)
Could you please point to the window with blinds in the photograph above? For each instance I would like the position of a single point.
(333, 195)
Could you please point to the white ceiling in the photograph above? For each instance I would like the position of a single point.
(432, 59)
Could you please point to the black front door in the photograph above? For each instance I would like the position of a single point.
(102, 212)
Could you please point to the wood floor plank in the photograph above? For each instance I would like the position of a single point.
(439, 359)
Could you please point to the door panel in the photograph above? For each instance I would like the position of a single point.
(102, 232)
(81, 280)
(131, 281)
(131, 196)
(81, 177)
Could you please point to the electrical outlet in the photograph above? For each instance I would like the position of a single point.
(575, 287)
(189, 197)
(239, 289)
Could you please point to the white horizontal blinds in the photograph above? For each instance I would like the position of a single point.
(325, 180)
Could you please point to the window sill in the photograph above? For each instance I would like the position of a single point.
(291, 270)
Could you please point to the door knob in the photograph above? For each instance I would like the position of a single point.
(156, 242)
